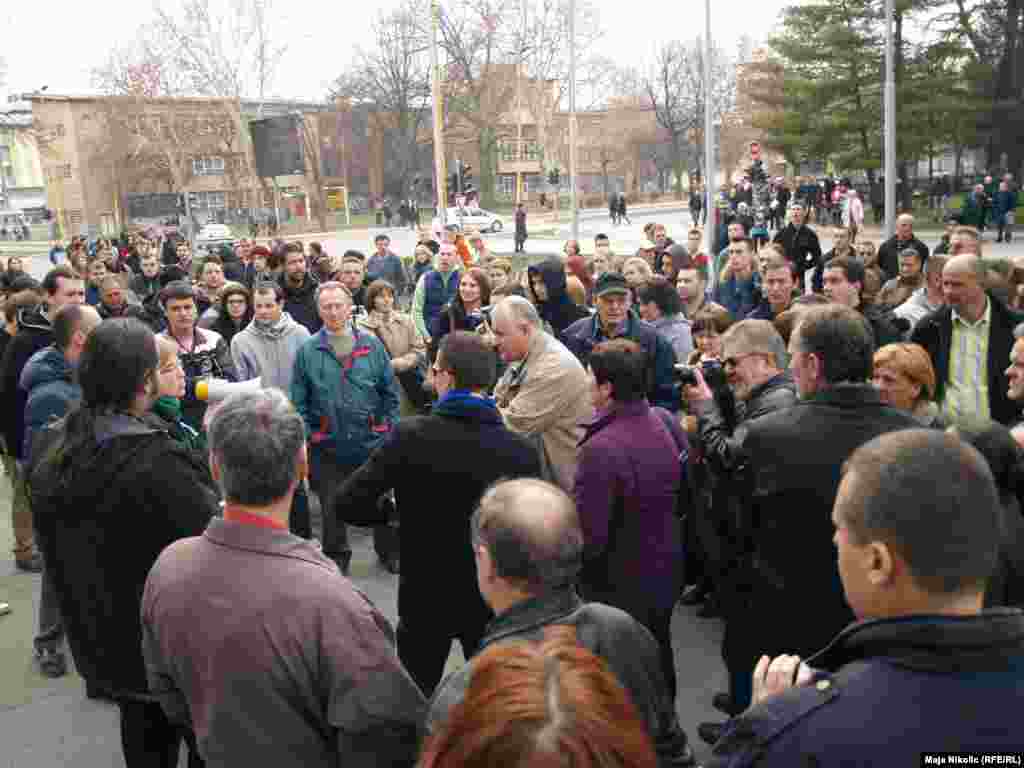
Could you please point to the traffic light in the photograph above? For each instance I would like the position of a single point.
(554, 177)
(467, 178)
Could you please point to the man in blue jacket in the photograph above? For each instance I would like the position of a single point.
(926, 669)
(345, 391)
(48, 378)
(613, 320)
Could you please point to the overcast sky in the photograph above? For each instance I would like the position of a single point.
(57, 44)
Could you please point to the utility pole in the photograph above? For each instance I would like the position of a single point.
(435, 84)
(572, 122)
(710, 172)
(890, 123)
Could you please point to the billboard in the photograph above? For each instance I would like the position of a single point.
(277, 146)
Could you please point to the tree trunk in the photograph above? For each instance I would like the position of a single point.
(677, 166)
(485, 184)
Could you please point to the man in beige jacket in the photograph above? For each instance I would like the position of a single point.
(545, 393)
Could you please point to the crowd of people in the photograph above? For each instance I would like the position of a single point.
(821, 449)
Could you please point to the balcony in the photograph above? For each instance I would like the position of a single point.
(520, 157)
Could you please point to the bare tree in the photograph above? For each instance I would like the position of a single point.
(675, 88)
(392, 78)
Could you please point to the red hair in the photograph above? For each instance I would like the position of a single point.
(578, 267)
(543, 705)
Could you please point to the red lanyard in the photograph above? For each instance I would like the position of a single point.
(235, 515)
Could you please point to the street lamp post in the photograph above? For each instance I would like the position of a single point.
(710, 172)
(572, 122)
(890, 122)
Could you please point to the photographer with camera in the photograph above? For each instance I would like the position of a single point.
(753, 369)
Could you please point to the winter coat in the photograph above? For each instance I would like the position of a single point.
(888, 691)
(101, 523)
(463, 447)
(304, 673)
(739, 297)
(626, 489)
(898, 290)
(546, 397)
(300, 302)
(269, 353)
(676, 330)
(582, 336)
(34, 333)
(349, 405)
(521, 234)
(889, 254)
(402, 343)
(558, 310)
(796, 601)
(49, 383)
(387, 267)
(935, 334)
(625, 645)
(801, 246)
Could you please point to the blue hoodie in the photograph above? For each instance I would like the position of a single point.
(52, 391)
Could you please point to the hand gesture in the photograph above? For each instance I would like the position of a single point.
(772, 676)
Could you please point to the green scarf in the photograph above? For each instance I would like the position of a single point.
(169, 410)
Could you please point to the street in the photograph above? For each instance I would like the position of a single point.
(46, 723)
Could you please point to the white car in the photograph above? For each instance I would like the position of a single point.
(474, 218)
(215, 233)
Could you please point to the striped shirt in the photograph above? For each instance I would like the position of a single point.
(966, 396)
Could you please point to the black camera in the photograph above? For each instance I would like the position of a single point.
(712, 371)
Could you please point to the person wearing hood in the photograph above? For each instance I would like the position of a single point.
(299, 288)
(60, 286)
(547, 290)
(49, 380)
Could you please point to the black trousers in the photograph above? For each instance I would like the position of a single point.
(150, 740)
(327, 475)
(425, 640)
(299, 521)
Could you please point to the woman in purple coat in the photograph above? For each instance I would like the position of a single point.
(632, 464)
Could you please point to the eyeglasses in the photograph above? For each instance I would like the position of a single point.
(734, 361)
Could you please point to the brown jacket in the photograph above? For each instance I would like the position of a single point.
(404, 345)
(275, 657)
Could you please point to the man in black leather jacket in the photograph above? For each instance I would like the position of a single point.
(528, 545)
(755, 363)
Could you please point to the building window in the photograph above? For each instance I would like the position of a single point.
(509, 152)
(210, 200)
(507, 185)
(208, 166)
(531, 151)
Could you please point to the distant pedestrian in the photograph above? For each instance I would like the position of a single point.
(520, 228)
(622, 209)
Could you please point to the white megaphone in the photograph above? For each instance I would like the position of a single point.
(213, 390)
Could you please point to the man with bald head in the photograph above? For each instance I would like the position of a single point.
(889, 251)
(528, 545)
(969, 341)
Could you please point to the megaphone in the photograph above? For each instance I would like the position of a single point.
(213, 390)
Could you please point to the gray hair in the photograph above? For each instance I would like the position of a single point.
(532, 532)
(255, 439)
(519, 310)
(330, 285)
(758, 337)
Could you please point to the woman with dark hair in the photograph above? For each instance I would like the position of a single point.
(110, 491)
(541, 705)
(404, 346)
(12, 273)
(708, 326)
(1006, 460)
(464, 313)
(234, 311)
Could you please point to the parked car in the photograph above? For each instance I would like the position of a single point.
(215, 234)
(474, 218)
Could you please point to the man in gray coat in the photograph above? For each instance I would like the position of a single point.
(267, 349)
(293, 666)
